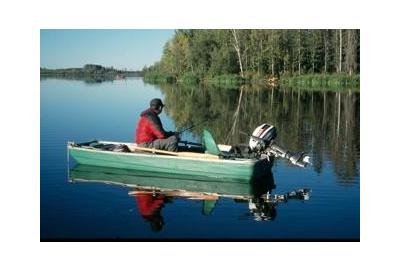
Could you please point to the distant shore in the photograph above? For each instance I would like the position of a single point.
(90, 70)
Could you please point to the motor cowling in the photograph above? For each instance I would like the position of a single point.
(262, 137)
(262, 143)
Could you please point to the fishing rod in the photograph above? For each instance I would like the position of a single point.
(191, 143)
(191, 127)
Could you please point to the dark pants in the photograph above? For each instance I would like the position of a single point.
(168, 144)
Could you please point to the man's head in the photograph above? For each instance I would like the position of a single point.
(156, 105)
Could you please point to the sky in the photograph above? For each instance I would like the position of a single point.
(121, 49)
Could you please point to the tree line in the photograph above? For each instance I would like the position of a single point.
(256, 53)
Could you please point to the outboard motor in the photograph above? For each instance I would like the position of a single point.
(262, 143)
(262, 137)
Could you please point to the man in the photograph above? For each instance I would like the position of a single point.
(150, 132)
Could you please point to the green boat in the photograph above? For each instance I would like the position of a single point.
(211, 161)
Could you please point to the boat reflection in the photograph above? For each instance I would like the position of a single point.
(153, 191)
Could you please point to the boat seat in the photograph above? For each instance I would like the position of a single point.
(213, 148)
(210, 144)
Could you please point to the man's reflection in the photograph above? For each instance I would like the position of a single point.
(150, 203)
(149, 206)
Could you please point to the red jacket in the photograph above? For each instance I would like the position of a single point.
(149, 127)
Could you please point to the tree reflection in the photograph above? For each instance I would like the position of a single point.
(326, 124)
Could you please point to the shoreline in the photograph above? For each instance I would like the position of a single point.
(306, 81)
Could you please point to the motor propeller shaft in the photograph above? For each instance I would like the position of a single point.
(300, 159)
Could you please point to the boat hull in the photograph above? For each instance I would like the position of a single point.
(237, 170)
(163, 181)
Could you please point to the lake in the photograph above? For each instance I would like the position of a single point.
(87, 203)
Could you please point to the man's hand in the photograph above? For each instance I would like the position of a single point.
(173, 133)
(177, 134)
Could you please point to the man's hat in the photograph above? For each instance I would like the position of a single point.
(156, 103)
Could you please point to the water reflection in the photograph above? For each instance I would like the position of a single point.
(326, 124)
(154, 191)
(149, 206)
(93, 79)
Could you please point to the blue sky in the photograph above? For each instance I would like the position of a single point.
(130, 49)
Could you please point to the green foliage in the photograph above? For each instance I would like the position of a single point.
(322, 81)
(190, 78)
(226, 80)
(159, 78)
(212, 55)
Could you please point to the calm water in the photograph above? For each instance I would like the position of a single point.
(325, 124)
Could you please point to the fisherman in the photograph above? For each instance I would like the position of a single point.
(150, 132)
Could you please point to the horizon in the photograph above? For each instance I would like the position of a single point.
(121, 49)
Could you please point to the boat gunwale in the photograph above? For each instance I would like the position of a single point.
(234, 161)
